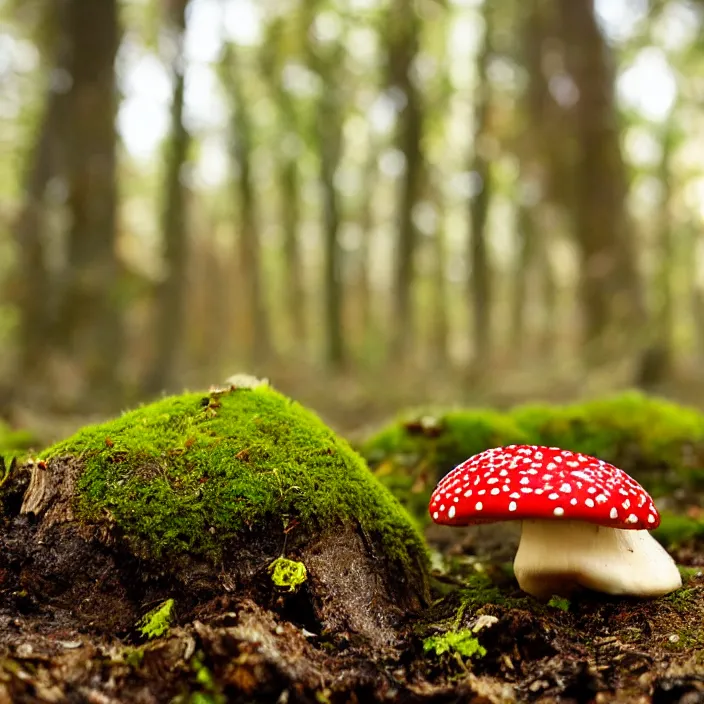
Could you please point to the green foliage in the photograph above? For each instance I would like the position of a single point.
(659, 443)
(675, 529)
(558, 602)
(688, 573)
(288, 574)
(189, 473)
(463, 643)
(208, 692)
(411, 454)
(644, 436)
(480, 590)
(15, 442)
(157, 622)
(134, 657)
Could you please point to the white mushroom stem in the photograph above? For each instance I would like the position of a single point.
(559, 557)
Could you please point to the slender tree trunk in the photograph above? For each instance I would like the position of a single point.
(696, 289)
(525, 261)
(290, 217)
(171, 292)
(657, 359)
(480, 277)
(367, 317)
(250, 237)
(272, 59)
(327, 62)
(90, 329)
(34, 281)
(32, 284)
(440, 329)
(403, 49)
(609, 286)
(548, 297)
(698, 315)
(664, 320)
(330, 137)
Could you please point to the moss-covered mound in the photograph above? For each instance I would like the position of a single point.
(199, 493)
(658, 442)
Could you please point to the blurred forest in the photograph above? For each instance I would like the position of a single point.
(371, 202)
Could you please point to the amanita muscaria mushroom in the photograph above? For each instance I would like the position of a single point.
(585, 522)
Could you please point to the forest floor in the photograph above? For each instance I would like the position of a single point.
(507, 647)
(479, 639)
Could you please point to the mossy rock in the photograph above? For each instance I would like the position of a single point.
(659, 443)
(191, 498)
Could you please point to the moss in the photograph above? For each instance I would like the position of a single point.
(557, 602)
(658, 442)
(480, 590)
(288, 574)
(209, 691)
(681, 599)
(158, 621)
(189, 473)
(689, 573)
(463, 643)
(15, 443)
(675, 530)
(412, 453)
(134, 657)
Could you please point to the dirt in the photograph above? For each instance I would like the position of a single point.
(71, 599)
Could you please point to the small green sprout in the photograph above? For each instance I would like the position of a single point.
(558, 602)
(288, 573)
(463, 643)
(156, 623)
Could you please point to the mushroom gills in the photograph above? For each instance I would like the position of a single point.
(560, 557)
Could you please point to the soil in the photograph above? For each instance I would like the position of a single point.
(71, 599)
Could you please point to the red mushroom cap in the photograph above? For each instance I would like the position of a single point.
(524, 482)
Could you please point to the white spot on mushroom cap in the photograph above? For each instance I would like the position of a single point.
(451, 512)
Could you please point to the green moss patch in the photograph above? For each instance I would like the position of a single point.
(158, 621)
(190, 473)
(288, 574)
(463, 643)
(676, 530)
(658, 442)
(14, 443)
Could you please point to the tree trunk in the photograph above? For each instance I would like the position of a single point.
(367, 315)
(525, 259)
(440, 329)
(609, 286)
(403, 47)
(327, 62)
(664, 319)
(549, 332)
(480, 277)
(171, 292)
(34, 285)
(330, 137)
(294, 288)
(89, 322)
(254, 302)
(272, 60)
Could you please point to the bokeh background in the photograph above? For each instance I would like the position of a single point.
(373, 203)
